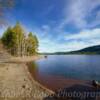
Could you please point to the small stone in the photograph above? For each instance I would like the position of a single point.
(23, 86)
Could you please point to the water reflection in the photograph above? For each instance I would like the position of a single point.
(58, 71)
(33, 68)
(85, 67)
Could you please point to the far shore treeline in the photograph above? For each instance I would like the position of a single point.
(18, 43)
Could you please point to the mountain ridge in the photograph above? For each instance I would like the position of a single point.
(88, 50)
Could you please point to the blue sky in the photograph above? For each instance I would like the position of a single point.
(61, 25)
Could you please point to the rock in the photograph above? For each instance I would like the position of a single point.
(24, 86)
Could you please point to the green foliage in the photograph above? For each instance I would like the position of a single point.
(18, 38)
(8, 40)
(17, 43)
(32, 44)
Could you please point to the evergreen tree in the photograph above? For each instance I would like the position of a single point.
(8, 40)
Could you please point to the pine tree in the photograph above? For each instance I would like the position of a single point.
(8, 40)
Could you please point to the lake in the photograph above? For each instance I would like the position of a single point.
(84, 67)
(57, 69)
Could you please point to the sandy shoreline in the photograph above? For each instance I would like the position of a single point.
(16, 82)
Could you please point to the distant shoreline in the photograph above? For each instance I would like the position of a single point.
(92, 50)
(70, 54)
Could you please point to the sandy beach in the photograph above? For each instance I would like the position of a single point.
(16, 82)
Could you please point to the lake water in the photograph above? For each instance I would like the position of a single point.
(83, 67)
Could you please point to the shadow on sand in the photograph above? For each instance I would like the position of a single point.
(76, 92)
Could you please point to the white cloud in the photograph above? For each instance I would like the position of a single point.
(72, 42)
(85, 35)
(84, 39)
(76, 12)
(47, 45)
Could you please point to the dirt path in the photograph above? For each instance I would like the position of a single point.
(16, 83)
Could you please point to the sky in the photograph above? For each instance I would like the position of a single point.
(60, 25)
